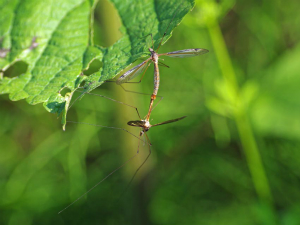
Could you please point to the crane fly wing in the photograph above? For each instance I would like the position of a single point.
(168, 121)
(186, 53)
(136, 123)
(130, 74)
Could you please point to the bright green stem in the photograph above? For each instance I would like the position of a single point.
(222, 55)
(253, 157)
(244, 128)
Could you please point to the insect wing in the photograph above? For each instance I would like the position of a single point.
(186, 53)
(169, 121)
(130, 74)
(136, 123)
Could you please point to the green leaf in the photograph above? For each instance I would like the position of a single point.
(52, 37)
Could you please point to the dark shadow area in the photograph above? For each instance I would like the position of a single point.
(16, 69)
(64, 91)
(93, 68)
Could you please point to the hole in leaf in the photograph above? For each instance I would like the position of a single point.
(64, 91)
(93, 68)
(83, 83)
(16, 69)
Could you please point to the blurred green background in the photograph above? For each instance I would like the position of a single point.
(234, 160)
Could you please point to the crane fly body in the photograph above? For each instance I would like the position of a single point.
(154, 57)
(132, 73)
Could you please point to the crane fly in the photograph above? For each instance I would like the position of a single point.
(132, 73)
(154, 57)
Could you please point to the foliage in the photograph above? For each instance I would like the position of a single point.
(199, 170)
(57, 47)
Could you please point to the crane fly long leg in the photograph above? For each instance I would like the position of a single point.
(115, 101)
(186, 53)
(112, 172)
(117, 128)
(162, 64)
(136, 92)
(138, 169)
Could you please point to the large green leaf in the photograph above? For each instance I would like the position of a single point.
(52, 37)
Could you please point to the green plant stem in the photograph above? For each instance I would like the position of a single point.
(253, 157)
(222, 55)
(244, 127)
